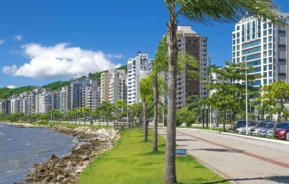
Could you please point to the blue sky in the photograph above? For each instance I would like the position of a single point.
(39, 33)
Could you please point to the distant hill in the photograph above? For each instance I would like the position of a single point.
(6, 92)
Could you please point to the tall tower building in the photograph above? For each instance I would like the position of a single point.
(264, 46)
(117, 86)
(138, 68)
(194, 44)
(104, 87)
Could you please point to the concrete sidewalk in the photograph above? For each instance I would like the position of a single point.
(238, 159)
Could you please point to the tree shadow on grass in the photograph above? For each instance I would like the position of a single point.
(152, 153)
(277, 179)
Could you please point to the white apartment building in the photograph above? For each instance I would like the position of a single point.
(263, 45)
(104, 87)
(90, 95)
(15, 104)
(44, 102)
(194, 44)
(62, 99)
(117, 86)
(138, 68)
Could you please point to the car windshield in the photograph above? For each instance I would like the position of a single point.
(240, 122)
(254, 123)
(270, 125)
(262, 124)
(282, 125)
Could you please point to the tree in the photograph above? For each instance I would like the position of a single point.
(276, 94)
(160, 66)
(146, 93)
(198, 11)
(228, 95)
(120, 110)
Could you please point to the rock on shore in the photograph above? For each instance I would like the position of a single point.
(66, 170)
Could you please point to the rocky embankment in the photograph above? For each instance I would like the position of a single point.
(66, 170)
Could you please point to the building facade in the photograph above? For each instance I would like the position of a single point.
(194, 44)
(118, 86)
(264, 46)
(104, 87)
(137, 68)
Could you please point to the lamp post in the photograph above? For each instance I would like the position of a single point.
(246, 83)
(246, 92)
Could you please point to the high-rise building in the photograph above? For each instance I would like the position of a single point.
(55, 100)
(15, 104)
(44, 102)
(194, 44)
(104, 87)
(82, 93)
(117, 86)
(138, 68)
(264, 46)
(5, 106)
(90, 94)
(62, 98)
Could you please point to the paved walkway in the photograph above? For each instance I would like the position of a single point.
(240, 160)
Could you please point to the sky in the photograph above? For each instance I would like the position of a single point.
(51, 40)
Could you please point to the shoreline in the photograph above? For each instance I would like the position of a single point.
(90, 144)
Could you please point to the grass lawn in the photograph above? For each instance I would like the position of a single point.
(132, 162)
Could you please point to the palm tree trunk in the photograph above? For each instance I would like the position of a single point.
(156, 103)
(145, 120)
(170, 163)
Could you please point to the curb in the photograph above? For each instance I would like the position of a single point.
(242, 136)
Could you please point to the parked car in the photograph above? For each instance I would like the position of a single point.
(269, 133)
(258, 127)
(282, 132)
(238, 124)
(262, 131)
(242, 130)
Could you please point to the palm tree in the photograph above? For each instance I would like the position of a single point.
(203, 12)
(146, 93)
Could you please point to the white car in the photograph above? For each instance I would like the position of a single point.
(242, 130)
(259, 126)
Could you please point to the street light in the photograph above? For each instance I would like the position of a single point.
(246, 84)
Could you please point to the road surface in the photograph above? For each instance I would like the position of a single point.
(241, 160)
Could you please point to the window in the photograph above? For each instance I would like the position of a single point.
(251, 44)
(254, 56)
(270, 38)
(270, 60)
(270, 67)
(265, 81)
(270, 74)
(250, 51)
(270, 31)
(265, 54)
(264, 33)
(264, 47)
(264, 40)
(264, 26)
(265, 74)
(265, 61)
(265, 68)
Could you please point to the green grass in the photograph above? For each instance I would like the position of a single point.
(132, 162)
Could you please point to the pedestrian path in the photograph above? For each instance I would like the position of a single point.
(242, 162)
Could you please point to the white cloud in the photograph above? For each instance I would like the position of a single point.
(1, 41)
(18, 37)
(59, 61)
(11, 87)
(117, 56)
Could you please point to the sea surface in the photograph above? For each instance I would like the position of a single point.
(21, 148)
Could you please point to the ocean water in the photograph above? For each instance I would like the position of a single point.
(21, 148)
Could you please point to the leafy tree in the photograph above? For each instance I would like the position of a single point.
(204, 12)
(276, 94)
(146, 93)
(285, 114)
(160, 66)
(230, 96)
